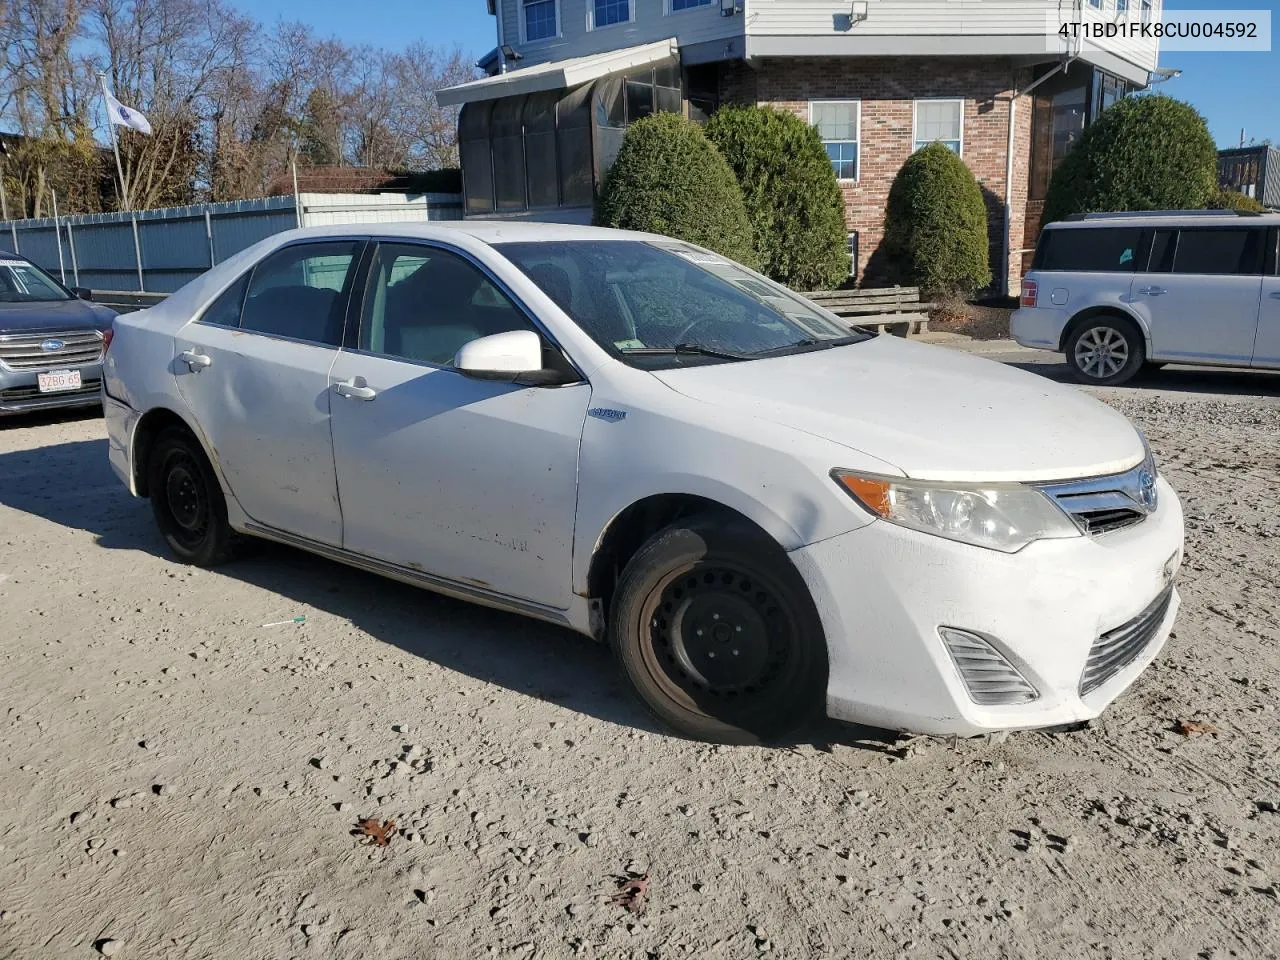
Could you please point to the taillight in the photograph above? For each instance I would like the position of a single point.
(107, 334)
(1030, 293)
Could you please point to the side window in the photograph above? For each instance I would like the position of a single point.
(225, 311)
(1090, 249)
(1163, 244)
(423, 304)
(1218, 252)
(301, 292)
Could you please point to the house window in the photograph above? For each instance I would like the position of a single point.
(540, 20)
(1122, 8)
(1146, 10)
(606, 12)
(837, 122)
(675, 6)
(1096, 4)
(940, 120)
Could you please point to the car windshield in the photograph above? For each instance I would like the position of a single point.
(663, 304)
(23, 282)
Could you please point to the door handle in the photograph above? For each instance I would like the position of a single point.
(195, 361)
(1153, 291)
(355, 389)
(1274, 295)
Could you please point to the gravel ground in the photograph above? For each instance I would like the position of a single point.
(179, 781)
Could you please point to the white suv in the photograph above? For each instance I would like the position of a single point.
(1117, 291)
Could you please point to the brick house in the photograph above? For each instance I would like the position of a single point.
(991, 79)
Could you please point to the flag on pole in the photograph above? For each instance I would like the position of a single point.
(123, 116)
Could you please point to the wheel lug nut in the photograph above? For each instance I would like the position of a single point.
(715, 616)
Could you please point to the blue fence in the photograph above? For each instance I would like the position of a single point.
(160, 250)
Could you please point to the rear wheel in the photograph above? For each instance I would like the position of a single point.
(718, 635)
(187, 501)
(1105, 350)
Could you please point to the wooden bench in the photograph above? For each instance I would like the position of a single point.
(896, 310)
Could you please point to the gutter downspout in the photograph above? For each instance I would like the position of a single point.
(502, 57)
(1007, 273)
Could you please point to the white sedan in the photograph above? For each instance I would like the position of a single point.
(764, 512)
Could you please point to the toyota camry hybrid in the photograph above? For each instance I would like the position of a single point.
(764, 512)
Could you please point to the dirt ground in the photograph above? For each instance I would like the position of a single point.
(181, 780)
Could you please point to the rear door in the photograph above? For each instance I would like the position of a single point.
(1266, 346)
(254, 369)
(1199, 293)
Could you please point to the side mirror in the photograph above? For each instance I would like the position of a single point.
(84, 293)
(513, 357)
(502, 354)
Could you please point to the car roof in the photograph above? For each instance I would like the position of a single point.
(486, 231)
(1165, 218)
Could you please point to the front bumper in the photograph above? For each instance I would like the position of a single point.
(883, 591)
(20, 389)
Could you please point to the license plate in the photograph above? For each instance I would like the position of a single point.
(55, 381)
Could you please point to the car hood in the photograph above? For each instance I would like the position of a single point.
(934, 413)
(53, 315)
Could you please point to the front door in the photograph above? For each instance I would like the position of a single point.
(469, 480)
(254, 369)
(1200, 293)
(1266, 347)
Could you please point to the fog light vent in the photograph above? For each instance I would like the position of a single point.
(990, 679)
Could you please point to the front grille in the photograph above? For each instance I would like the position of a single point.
(1104, 504)
(24, 351)
(1116, 649)
(1104, 521)
(88, 388)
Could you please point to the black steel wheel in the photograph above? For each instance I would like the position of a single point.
(187, 501)
(718, 635)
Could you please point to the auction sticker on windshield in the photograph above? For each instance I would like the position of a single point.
(55, 381)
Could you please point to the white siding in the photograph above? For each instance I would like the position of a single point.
(649, 23)
(940, 18)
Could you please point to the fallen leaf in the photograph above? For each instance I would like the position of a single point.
(1189, 728)
(631, 893)
(373, 833)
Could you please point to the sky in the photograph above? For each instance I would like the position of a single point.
(1231, 90)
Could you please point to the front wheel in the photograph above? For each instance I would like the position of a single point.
(1106, 351)
(187, 500)
(717, 633)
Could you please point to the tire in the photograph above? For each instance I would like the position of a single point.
(187, 500)
(1106, 350)
(705, 587)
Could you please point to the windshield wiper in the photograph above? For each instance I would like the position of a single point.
(682, 349)
(809, 344)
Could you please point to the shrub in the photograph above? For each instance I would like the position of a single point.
(792, 197)
(1224, 199)
(935, 225)
(1143, 153)
(669, 178)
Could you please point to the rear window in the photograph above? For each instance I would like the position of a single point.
(1089, 249)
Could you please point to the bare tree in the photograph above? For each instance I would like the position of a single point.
(230, 101)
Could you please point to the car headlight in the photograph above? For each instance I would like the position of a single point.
(999, 516)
